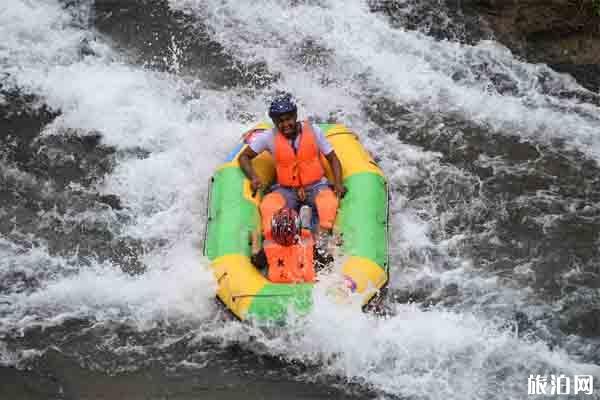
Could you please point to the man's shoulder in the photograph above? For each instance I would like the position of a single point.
(262, 136)
(322, 141)
(261, 141)
(265, 134)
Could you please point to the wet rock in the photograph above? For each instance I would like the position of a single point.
(441, 20)
(113, 201)
(564, 34)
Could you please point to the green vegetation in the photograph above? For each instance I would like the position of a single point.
(592, 6)
(596, 7)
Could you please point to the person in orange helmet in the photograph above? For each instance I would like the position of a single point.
(296, 148)
(289, 254)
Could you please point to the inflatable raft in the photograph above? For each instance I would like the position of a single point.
(233, 223)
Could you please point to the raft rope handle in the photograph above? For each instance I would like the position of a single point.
(260, 295)
(343, 133)
(207, 214)
(387, 226)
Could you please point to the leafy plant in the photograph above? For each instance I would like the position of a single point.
(596, 7)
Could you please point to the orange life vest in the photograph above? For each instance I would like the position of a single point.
(291, 264)
(301, 168)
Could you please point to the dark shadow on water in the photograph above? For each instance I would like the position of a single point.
(168, 40)
(230, 373)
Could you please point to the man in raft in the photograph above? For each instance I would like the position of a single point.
(296, 148)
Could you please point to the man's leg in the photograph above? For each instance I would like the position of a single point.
(326, 202)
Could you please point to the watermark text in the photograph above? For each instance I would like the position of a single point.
(560, 384)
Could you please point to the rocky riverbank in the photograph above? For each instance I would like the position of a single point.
(564, 34)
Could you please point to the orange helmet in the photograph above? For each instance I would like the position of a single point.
(285, 226)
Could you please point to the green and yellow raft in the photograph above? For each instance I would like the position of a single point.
(233, 220)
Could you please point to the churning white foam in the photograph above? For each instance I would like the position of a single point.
(177, 290)
(180, 127)
(413, 69)
(430, 354)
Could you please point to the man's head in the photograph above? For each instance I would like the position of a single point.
(284, 113)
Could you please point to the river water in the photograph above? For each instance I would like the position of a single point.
(113, 115)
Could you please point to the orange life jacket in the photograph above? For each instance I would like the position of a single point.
(291, 264)
(301, 168)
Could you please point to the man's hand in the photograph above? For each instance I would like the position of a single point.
(340, 190)
(255, 185)
(336, 166)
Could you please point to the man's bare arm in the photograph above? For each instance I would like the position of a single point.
(336, 167)
(245, 160)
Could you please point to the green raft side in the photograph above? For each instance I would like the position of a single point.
(326, 127)
(277, 300)
(363, 218)
(232, 218)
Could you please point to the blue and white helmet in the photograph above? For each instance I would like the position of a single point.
(282, 104)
